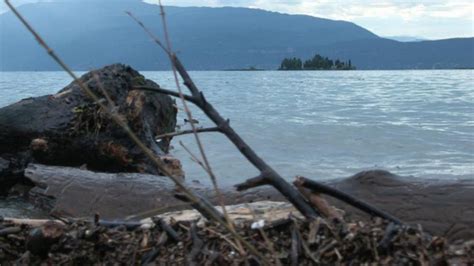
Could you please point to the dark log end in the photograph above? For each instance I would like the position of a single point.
(252, 183)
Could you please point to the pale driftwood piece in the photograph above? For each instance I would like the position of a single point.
(203, 203)
(268, 211)
(30, 222)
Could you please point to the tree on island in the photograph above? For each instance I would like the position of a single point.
(318, 62)
(291, 64)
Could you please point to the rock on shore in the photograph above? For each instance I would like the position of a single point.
(69, 129)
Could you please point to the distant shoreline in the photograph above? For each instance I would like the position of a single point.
(248, 70)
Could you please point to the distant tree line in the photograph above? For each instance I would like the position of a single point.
(316, 63)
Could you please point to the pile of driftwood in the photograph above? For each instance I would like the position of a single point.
(291, 240)
(118, 131)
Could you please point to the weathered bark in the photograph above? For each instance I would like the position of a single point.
(69, 129)
(73, 192)
(442, 207)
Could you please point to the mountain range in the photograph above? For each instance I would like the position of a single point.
(89, 34)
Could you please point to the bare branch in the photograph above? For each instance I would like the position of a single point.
(272, 177)
(359, 204)
(185, 132)
(201, 207)
(104, 91)
(229, 225)
(194, 157)
(190, 117)
(152, 36)
(198, 140)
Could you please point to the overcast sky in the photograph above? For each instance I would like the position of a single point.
(431, 19)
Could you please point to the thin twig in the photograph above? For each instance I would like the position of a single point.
(225, 239)
(193, 157)
(190, 117)
(183, 98)
(186, 132)
(169, 52)
(104, 91)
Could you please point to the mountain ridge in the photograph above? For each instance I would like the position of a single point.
(91, 34)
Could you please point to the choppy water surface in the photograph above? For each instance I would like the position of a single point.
(321, 124)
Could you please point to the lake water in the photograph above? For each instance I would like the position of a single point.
(320, 124)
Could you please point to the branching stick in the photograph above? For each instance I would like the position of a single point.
(357, 203)
(269, 175)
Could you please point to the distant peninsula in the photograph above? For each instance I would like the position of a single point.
(318, 62)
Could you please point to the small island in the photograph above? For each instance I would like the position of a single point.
(251, 68)
(318, 62)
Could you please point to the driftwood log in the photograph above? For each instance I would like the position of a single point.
(69, 129)
(439, 206)
(73, 192)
